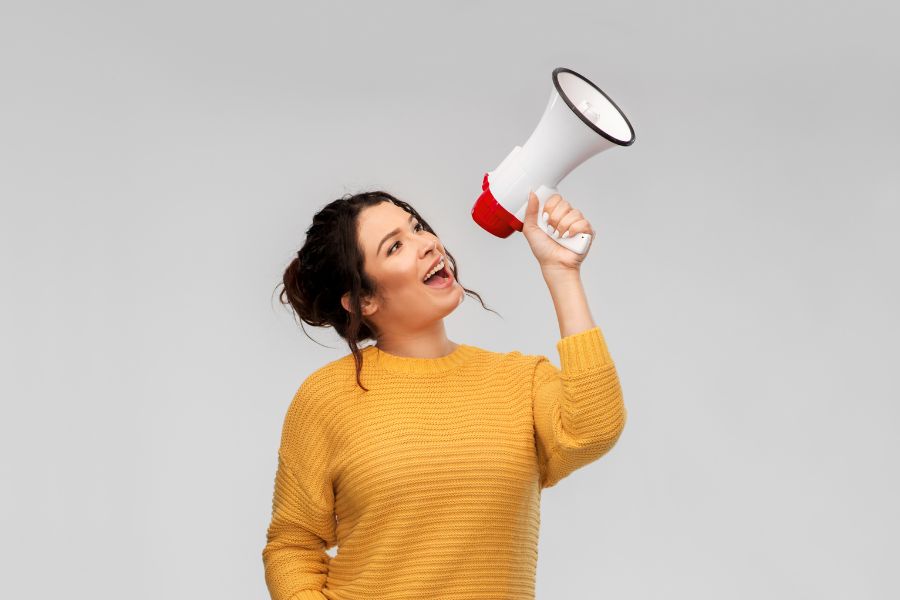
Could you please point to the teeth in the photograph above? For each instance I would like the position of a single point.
(436, 268)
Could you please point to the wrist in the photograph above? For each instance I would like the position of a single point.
(560, 273)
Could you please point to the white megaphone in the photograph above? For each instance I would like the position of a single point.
(579, 122)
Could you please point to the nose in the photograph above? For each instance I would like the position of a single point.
(429, 247)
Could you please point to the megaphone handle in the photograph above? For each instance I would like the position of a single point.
(578, 243)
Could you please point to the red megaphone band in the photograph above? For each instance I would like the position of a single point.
(491, 215)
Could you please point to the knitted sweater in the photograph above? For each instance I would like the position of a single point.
(430, 482)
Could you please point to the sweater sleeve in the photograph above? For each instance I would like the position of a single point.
(303, 523)
(578, 410)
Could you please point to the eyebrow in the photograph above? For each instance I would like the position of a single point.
(390, 235)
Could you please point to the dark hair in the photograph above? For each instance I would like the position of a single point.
(330, 264)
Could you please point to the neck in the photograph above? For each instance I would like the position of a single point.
(427, 343)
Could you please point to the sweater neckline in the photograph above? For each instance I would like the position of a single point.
(420, 366)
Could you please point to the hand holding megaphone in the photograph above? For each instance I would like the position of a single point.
(562, 217)
(579, 122)
(575, 239)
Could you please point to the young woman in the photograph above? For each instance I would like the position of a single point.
(421, 458)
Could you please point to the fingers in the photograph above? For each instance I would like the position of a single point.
(554, 209)
(579, 226)
(552, 203)
(573, 222)
(564, 219)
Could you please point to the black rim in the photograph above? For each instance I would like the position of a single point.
(568, 102)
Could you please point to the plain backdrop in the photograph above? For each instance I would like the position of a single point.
(161, 162)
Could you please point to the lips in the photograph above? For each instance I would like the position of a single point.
(441, 279)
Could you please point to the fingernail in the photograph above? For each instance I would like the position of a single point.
(566, 234)
(555, 233)
(544, 217)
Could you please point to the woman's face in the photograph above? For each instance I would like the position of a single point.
(398, 254)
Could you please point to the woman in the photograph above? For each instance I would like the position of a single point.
(423, 459)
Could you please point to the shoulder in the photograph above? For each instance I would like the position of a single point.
(510, 360)
(333, 379)
(323, 382)
(513, 354)
(334, 385)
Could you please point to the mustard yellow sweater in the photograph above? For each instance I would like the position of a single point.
(430, 483)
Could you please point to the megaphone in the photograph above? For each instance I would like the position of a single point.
(580, 121)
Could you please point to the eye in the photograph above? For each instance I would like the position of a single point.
(417, 227)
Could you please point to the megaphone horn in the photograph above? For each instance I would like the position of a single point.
(580, 121)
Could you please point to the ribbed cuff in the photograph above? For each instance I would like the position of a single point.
(583, 351)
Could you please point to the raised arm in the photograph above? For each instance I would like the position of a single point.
(578, 409)
(579, 412)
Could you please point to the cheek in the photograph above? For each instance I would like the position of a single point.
(401, 280)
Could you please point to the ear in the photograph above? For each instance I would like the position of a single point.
(368, 305)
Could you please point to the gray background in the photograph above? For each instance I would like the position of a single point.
(162, 160)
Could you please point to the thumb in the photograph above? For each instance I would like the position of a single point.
(532, 210)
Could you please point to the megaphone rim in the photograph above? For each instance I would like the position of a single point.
(587, 121)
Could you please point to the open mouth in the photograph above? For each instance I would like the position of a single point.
(439, 279)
